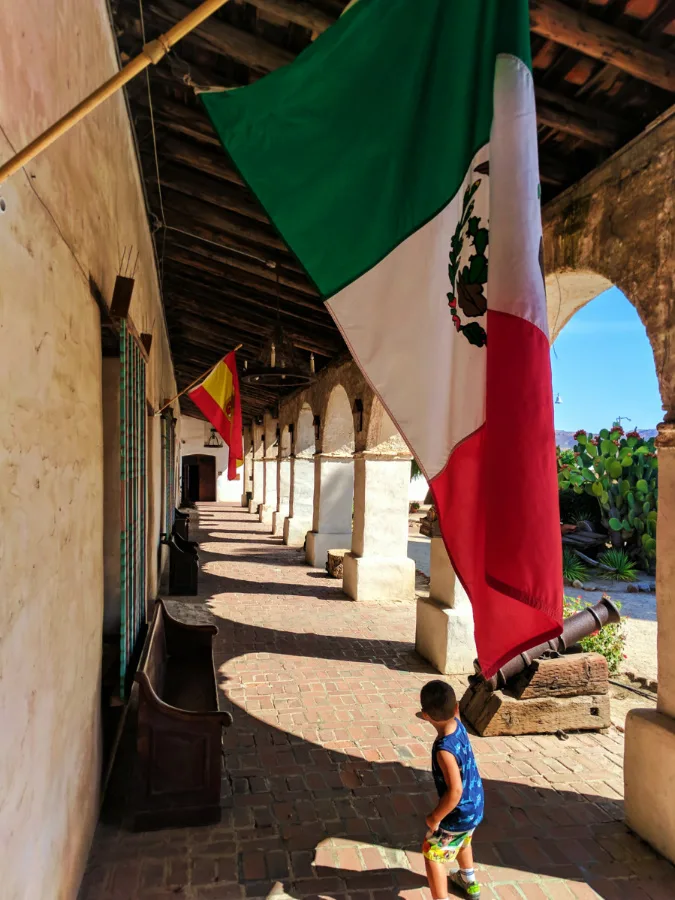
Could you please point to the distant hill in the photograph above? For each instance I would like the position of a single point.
(565, 439)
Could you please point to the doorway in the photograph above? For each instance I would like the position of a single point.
(199, 479)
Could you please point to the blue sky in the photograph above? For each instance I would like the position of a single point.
(603, 368)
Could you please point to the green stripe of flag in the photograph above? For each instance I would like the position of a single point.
(369, 133)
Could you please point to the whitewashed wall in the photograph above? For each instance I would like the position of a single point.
(194, 434)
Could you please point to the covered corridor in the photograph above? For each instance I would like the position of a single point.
(326, 780)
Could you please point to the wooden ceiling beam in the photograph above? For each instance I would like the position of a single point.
(298, 12)
(254, 52)
(239, 262)
(189, 208)
(578, 127)
(199, 158)
(177, 117)
(560, 23)
(583, 111)
(200, 300)
(226, 273)
(227, 242)
(192, 184)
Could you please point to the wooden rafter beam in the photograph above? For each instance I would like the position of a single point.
(254, 52)
(576, 125)
(193, 184)
(226, 285)
(199, 158)
(228, 272)
(239, 262)
(220, 302)
(188, 208)
(560, 23)
(298, 12)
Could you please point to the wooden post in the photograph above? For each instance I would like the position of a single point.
(151, 53)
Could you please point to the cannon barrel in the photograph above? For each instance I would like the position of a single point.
(578, 626)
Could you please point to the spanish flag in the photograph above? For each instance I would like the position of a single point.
(219, 399)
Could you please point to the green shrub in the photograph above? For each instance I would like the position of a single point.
(573, 567)
(609, 641)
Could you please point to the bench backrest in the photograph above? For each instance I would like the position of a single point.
(154, 658)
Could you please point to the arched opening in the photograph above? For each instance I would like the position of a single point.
(285, 442)
(568, 292)
(301, 478)
(607, 396)
(305, 441)
(338, 430)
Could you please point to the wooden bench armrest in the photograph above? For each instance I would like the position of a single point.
(173, 712)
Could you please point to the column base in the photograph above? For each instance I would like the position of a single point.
(295, 531)
(378, 579)
(265, 514)
(320, 542)
(444, 637)
(253, 507)
(649, 777)
(278, 519)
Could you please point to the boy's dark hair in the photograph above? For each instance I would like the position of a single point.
(438, 700)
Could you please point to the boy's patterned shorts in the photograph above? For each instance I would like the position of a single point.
(443, 846)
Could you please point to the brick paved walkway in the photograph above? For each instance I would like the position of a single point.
(327, 768)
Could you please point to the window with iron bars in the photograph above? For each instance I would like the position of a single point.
(133, 478)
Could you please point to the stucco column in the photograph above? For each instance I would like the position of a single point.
(258, 486)
(283, 495)
(269, 501)
(333, 504)
(444, 628)
(649, 763)
(378, 567)
(301, 501)
(247, 477)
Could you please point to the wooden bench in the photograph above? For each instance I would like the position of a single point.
(179, 737)
(181, 525)
(183, 565)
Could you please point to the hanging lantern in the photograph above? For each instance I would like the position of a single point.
(279, 365)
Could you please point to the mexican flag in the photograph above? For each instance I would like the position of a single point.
(397, 156)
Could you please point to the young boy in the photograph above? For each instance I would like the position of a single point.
(460, 791)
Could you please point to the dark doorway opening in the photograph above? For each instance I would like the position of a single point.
(199, 479)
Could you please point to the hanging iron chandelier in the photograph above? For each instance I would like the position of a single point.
(278, 365)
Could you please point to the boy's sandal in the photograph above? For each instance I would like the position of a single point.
(470, 890)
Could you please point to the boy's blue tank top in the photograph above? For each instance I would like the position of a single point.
(469, 811)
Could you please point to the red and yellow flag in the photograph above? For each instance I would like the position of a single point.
(219, 399)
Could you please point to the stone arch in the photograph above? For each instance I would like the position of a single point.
(285, 442)
(270, 435)
(304, 439)
(567, 292)
(382, 435)
(338, 424)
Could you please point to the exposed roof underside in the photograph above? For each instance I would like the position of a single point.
(603, 68)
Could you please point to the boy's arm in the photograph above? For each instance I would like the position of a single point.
(453, 795)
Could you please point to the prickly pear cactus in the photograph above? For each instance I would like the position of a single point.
(621, 472)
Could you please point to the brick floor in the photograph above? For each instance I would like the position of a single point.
(327, 767)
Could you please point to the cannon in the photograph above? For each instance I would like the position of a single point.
(578, 626)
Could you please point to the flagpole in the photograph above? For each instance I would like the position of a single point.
(151, 53)
(198, 378)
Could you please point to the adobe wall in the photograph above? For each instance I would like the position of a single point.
(66, 218)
